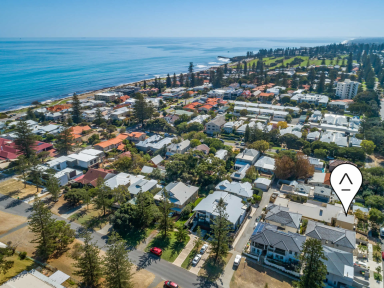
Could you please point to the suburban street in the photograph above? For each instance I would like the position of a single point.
(162, 269)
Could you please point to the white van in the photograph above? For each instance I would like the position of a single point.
(382, 232)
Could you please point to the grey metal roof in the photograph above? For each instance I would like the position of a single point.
(337, 260)
(264, 181)
(339, 236)
(147, 170)
(179, 192)
(280, 215)
(323, 191)
(241, 189)
(301, 188)
(284, 240)
(142, 185)
(264, 160)
(219, 121)
(233, 203)
(157, 159)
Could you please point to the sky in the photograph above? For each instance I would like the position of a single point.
(197, 18)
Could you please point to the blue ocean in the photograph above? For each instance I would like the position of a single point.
(51, 68)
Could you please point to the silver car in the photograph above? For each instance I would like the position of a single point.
(237, 260)
(204, 248)
(196, 259)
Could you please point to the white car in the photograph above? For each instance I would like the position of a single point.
(204, 248)
(237, 260)
(196, 259)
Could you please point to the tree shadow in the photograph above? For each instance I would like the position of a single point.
(133, 236)
(146, 260)
(13, 203)
(204, 282)
(77, 215)
(4, 197)
(213, 270)
(177, 247)
(160, 241)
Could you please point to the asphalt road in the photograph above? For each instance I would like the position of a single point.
(152, 263)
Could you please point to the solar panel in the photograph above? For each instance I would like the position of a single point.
(259, 227)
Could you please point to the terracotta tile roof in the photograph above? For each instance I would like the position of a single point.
(124, 98)
(113, 141)
(327, 179)
(58, 108)
(206, 106)
(266, 94)
(92, 175)
(121, 147)
(135, 134)
(80, 129)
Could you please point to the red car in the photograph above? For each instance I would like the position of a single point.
(382, 255)
(170, 284)
(156, 251)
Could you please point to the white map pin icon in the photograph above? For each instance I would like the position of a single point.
(346, 180)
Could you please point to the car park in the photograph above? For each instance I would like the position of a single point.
(204, 248)
(196, 259)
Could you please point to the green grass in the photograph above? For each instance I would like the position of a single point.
(182, 221)
(170, 246)
(198, 200)
(348, 115)
(188, 261)
(91, 218)
(18, 267)
(359, 204)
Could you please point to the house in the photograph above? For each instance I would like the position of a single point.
(93, 152)
(320, 179)
(119, 114)
(242, 190)
(136, 136)
(262, 183)
(84, 160)
(90, 178)
(78, 131)
(107, 96)
(34, 279)
(48, 129)
(340, 267)
(55, 116)
(202, 147)
(279, 115)
(153, 143)
(229, 127)
(313, 136)
(205, 108)
(199, 119)
(316, 99)
(240, 173)
(67, 174)
(334, 163)
(143, 185)
(179, 194)
(322, 194)
(265, 164)
(354, 142)
(111, 143)
(172, 118)
(146, 170)
(333, 237)
(317, 163)
(157, 160)
(221, 154)
(215, 125)
(178, 148)
(303, 189)
(284, 219)
(283, 246)
(10, 151)
(121, 179)
(205, 211)
(248, 156)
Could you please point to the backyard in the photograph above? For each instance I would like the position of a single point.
(252, 275)
(18, 266)
(170, 246)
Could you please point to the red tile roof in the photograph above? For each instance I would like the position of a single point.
(92, 175)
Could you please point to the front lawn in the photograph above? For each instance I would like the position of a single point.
(170, 246)
(91, 218)
(18, 267)
(212, 270)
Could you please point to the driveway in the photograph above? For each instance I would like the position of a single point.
(196, 269)
(184, 254)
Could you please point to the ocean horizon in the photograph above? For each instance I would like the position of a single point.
(51, 68)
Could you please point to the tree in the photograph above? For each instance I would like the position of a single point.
(282, 125)
(314, 269)
(111, 129)
(190, 68)
(41, 223)
(376, 216)
(5, 264)
(168, 81)
(368, 146)
(89, 264)
(53, 187)
(195, 142)
(220, 229)
(123, 164)
(350, 61)
(165, 222)
(98, 117)
(117, 266)
(146, 209)
(181, 234)
(284, 167)
(25, 139)
(35, 173)
(22, 167)
(260, 145)
(320, 153)
(142, 109)
(247, 133)
(199, 239)
(64, 142)
(303, 169)
(76, 113)
(103, 199)
(243, 112)
(64, 235)
(74, 196)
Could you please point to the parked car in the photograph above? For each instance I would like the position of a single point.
(156, 251)
(204, 248)
(196, 259)
(242, 144)
(382, 255)
(170, 284)
(237, 260)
